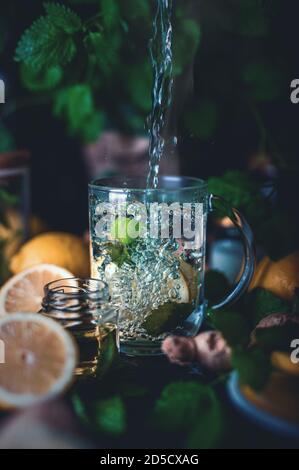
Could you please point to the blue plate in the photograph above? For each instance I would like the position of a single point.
(258, 416)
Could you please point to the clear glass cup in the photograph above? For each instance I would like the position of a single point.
(149, 246)
(82, 307)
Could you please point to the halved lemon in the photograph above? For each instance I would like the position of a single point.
(37, 361)
(179, 286)
(24, 291)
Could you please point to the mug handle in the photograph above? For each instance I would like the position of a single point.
(247, 238)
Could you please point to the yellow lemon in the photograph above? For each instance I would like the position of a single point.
(38, 361)
(282, 361)
(280, 277)
(62, 249)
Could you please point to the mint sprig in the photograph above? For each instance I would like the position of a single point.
(49, 41)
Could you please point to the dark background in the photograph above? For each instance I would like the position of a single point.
(228, 141)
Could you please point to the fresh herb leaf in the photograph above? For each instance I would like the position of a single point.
(167, 317)
(44, 45)
(190, 408)
(202, 120)
(277, 338)
(80, 408)
(40, 80)
(75, 104)
(295, 306)
(118, 253)
(63, 17)
(216, 286)
(7, 198)
(186, 41)
(233, 326)
(111, 416)
(260, 303)
(6, 139)
(253, 367)
(282, 242)
(240, 191)
(111, 13)
(108, 353)
(264, 81)
(92, 127)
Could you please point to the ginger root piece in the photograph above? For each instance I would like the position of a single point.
(278, 319)
(208, 349)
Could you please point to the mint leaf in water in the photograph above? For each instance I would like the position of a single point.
(118, 253)
(166, 318)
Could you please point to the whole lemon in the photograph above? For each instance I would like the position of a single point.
(282, 361)
(280, 277)
(279, 397)
(62, 249)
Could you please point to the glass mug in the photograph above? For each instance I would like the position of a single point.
(149, 246)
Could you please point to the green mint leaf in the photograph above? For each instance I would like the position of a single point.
(167, 317)
(111, 13)
(216, 286)
(192, 409)
(233, 326)
(282, 242)
(263, 80)
(260, 303)
(75, 104)
(40, 80)
(92, 127)
(98, 43)
(202, 120)
(253, 367)
(6, 139)
(295, 306)
(277, 338)
(80, 409)
(43, 45)
(63, 18)
(118, 253)
(240, 191)
(7, 198)
(136, 10)
(111, 416)
(252, 19)
(139, 83)
(186, 41)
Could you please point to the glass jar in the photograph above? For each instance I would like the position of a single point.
(81, 306)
